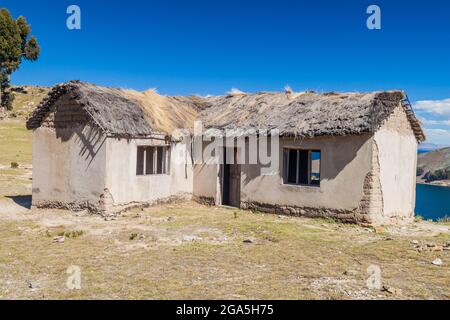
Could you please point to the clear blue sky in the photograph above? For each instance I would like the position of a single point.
(207, 47)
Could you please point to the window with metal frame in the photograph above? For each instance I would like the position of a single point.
(301, 167)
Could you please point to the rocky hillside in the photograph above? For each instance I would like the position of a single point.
(26, 98)
(434, 166)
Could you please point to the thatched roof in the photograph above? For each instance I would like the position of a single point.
(120, 112)
(130, 113)
(308, 114)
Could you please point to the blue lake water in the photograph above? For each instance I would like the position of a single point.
(432, 202)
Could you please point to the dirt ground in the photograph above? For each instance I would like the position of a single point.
(190, 251)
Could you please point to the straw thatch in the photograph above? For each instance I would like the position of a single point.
(128, 113)
(307, 114)
(119, 112)
(164, 114)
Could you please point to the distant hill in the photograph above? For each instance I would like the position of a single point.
(427, 147)
(26, 98)
(434, 166)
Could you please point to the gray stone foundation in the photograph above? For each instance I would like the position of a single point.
(106, 208)
(347, 216)
(207, 201)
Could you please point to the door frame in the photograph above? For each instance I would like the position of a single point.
(226, 201)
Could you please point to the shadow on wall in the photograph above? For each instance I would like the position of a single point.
(23, 201)
(76, 123)
(336, 154)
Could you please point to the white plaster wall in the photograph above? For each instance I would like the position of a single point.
(68, 165)
(206, 180)
(127, 187)
(397, 148)
(345, 162)
(206, 175)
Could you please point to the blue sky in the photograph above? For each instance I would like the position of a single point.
(208, 47)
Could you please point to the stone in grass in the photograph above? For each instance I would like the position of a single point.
(33, 285)
(436, 248)
(437, 262)
(392, 290)
(352, 273)
(247, 241)
(133, 236)
(191, 238)
(59, 239)
(379, 229)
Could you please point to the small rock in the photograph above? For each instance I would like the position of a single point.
(414, 242)
(190, 238)
(351, 273)
(437, 248)
(33, 285)
(437, 262)
(59, 239)
(392, 290)
(247, 241)
(379, 229)
(133, 236)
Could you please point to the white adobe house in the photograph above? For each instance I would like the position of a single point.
(347, 156)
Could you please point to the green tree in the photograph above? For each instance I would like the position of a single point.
(16, 45)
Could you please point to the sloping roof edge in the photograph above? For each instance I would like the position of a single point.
(329, 114)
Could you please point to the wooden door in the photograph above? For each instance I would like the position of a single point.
(231, 181)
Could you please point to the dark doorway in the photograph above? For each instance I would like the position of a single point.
(231, 179)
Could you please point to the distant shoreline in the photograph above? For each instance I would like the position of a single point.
(445, 183)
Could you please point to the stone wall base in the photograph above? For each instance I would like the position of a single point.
(109, 210)
(72, 206)
(207, 201)
(347, 216)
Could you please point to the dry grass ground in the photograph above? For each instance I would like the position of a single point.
(27, 100)
(191, 251)
(15, 147)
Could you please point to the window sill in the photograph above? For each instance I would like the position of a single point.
(309, 186)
